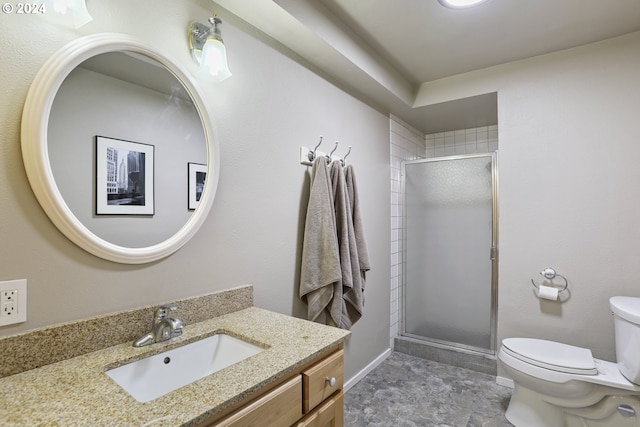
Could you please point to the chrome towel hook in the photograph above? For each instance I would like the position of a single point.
(345, 157)
(331, 153)
(550, 274)
(312, 154)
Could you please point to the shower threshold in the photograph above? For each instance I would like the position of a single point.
(478, 361)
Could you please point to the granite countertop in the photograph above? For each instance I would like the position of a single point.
(77, 392)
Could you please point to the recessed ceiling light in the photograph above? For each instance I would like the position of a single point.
(460, 4)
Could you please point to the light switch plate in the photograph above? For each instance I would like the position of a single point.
(13, 302)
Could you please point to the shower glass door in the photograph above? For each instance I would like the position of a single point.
(450, 250)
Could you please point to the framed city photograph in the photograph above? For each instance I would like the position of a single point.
(197, 175)
(124, 177)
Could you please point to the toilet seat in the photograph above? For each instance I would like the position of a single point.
(551, 355)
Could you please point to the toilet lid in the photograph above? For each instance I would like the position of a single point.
(626, 307)
(552, 355)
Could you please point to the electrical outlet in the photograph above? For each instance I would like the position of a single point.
(8, 301)
(13, 302)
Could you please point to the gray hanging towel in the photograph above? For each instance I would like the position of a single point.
(351, 287)
(358, 227)
(320, 274)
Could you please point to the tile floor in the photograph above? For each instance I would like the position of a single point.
(407, 391)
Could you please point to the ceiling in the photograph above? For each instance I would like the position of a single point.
(139, 70)
(425, 41)
(387, 51)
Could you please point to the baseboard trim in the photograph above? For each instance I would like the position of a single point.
(363, 373)
(506, 382)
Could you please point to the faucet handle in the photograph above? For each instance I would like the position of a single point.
(163, 310)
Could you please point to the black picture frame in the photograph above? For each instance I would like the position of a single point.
(197, 174)
(124, 177)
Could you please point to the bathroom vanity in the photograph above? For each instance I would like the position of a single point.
(312, 397)
(295, 381)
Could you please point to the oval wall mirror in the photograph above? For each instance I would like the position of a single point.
(119, 148)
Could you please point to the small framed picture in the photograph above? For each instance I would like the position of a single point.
(124, 177)
(197, 176)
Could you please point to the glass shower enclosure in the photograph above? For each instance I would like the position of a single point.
(450, 251)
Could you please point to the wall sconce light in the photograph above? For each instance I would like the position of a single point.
(70, 13)
(207, 48)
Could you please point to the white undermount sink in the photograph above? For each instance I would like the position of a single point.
(157, 375)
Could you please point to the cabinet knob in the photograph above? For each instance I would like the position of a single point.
(331, 381)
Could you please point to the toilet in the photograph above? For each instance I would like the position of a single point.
(559, 385)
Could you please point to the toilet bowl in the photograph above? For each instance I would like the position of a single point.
(559, 385)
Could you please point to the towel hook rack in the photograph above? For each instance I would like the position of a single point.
(312, 154)
(550, 274)
(308, 156)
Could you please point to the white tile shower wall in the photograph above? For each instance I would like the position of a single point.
(407, 143)
(464, 141)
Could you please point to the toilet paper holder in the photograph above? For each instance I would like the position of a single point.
(550, 274)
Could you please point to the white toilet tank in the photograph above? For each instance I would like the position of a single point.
(626, 321)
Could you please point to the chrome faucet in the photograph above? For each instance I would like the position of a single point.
(164, 327)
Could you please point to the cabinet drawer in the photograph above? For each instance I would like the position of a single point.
(316, 381)
(328, 414)
(280, 407)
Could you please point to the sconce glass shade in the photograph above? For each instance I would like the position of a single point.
(69, 13)
(214, 59)
(208, 50)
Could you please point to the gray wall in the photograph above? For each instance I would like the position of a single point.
(263, 114)
(569, 183)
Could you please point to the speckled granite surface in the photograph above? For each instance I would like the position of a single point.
(77, 392)
(40, 347)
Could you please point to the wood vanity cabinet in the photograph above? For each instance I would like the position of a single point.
(311, 397)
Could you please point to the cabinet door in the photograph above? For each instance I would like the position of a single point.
(279, 407)
(329, 414)
(322, 380)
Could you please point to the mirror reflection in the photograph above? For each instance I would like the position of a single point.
(127, 149)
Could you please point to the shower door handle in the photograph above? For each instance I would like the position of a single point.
(493, 253)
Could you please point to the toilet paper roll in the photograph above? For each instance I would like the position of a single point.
(548, 292)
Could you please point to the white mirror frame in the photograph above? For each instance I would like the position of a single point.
(35, 152)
